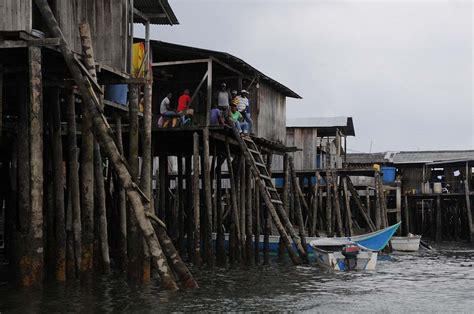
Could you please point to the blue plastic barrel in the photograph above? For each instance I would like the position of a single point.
(117, 93)
(388, 174)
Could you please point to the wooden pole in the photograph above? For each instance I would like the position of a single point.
(208, 198)
(298, 213)
(257, 225)
(74, 211)
(31, 259)
(337, 206)
(89, 62)
(406, 214)
(248, 219)
(58, 186)
(285, 198)
(469, 210)
(235, 227)
(438, 218)
(242, 213)
(220, 240)
(189, 208)
(329, 230)
(196, 203)
(146, 169)
(181, 226)
(122, 204)
(347, 199)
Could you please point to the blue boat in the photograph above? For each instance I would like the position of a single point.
(374, 241)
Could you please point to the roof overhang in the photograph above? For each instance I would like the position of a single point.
(154, 11)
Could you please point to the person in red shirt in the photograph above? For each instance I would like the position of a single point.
(183, 101)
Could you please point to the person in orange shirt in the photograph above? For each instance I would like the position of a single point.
(183, 101)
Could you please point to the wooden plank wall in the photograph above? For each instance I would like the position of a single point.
(108, 23)
(15, 15)
(271, 114)
(412, 177)
(305, 139)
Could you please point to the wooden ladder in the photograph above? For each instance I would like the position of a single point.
(271, 197)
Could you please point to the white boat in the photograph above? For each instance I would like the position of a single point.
(334, 255)
(410, 243)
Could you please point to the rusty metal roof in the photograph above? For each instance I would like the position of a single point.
(326, 126)
(158, 11)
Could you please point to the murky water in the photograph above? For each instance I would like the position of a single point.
(439, 281)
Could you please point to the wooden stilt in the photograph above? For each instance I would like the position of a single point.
(209, 252)
(248, 219)
(196, 201)
(469, 210)
(189, 208)
(220, 240)
(180, 194)
(329, 214)
(438, 218)
(58, 184)
(243, 202)
(31, 257)
(235, 225)
(134, 249)
(347, 199)
(298, 213)
(256, 225)
(286, 199)
(73, 260)
(337, 206)
(406, 215)
(122, 204)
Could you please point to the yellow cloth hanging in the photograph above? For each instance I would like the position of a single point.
(138, 59)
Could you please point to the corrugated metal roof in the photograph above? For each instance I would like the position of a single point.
(366, 158)
(413, 157)
(326, 124)
(159, 11)
(173, 52)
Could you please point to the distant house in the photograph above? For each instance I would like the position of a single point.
(418, 170)
(322, 141)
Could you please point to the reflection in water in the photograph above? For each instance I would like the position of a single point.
(426, 281)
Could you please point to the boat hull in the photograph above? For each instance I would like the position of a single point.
(366, 260)
(406, 244)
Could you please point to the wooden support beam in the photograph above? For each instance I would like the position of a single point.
(180, 62)
(469, 210)
(1, 100)
(196, 201)
(193, 97)
(228, 67)
(209, 92)
(347, 199)
(438, 225)
(298, 213)
(45, 42)
(208, 198)
(141, 15)
(31, 260)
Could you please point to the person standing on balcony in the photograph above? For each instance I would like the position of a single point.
(244, 108)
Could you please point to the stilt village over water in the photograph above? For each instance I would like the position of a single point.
(150, 161)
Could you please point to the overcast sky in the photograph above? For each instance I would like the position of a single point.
(402, 69)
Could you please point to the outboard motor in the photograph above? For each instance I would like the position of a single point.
(350, 252)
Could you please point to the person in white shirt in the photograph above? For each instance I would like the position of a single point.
(165, 108)
(244, 108)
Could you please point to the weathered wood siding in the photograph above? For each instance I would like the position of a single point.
(108, 23)
(306, 140)
(15, 15)
(269, 116)
(412, 177)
